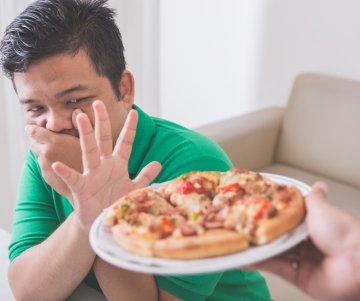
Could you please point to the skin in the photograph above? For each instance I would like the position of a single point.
(50, 112)
(329, 261)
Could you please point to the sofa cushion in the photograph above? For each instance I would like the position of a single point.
(320, 130)
(342, 195)
(249, 140)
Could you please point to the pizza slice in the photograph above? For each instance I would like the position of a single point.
(142, 200)
(200, 182)
(192, 193)
(266, 210)
(278, 212)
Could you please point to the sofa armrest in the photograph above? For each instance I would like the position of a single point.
(249, 140)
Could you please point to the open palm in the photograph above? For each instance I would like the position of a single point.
(105, 178)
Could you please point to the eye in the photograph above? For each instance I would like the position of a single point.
(76, 100)
(35, 109)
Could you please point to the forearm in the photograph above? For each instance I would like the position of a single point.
(120, 284)
(54, 268)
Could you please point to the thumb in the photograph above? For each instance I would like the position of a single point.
(38, 133)
(73, 118)
(317, 196)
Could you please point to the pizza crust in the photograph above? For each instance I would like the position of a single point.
(285, 221)
(213, 243)
(131, 241)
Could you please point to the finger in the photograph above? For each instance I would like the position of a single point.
(125, 141)
(71, 177)
(316, 201)
(279, 266)
(317, 194)
(102, 129)
(36, 147)
(38, 133)
(90, 151)
(73, 118)
(328, 224)
(147, 175)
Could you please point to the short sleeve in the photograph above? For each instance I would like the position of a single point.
(35, 215)
(189, 288)
(193, 163)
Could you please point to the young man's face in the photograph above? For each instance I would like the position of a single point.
(50, 90)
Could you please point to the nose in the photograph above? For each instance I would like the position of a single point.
(58, 121)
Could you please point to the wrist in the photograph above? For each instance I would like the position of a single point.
(78, 226)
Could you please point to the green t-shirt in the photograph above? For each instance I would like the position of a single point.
(40, 209)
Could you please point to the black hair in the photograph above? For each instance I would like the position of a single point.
(49, 27)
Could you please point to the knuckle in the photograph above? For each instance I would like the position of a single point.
(105, 137)
(92, 151)
(33, 131)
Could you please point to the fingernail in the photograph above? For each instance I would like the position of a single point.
(25, 128)
(77, 112)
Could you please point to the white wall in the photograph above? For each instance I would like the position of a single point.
(13, 140)
(307, 36)
(209, 57)
(220, 58)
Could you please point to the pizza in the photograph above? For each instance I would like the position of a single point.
(205, 214)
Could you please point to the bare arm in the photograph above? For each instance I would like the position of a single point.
(118, 284)
(54, 268)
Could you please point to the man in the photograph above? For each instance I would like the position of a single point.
(62, 56)
(327, 266)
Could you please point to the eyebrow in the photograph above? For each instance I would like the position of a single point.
(23, 102)
(73, 89)
(60, 94)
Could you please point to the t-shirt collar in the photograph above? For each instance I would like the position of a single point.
(144, 133)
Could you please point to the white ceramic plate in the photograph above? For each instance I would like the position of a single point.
(105, 246)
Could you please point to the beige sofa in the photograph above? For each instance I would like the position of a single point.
(316, 137)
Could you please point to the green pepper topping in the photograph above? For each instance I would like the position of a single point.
(269, 196)
(185, 175)
(124, 209)
(194, 216)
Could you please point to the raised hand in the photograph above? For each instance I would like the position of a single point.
(327, 266)
(105, 178)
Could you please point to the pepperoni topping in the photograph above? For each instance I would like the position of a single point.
(283, 195)
(143, 207)
(187, 230)
(139, 196)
